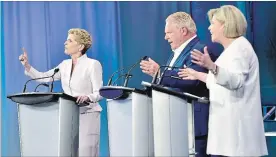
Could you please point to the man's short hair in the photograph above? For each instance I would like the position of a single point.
(182, 19)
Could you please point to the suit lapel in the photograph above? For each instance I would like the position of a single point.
(170, 59)
(186, 52)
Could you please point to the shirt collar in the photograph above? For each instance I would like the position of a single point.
(182, 47)
(82, 57)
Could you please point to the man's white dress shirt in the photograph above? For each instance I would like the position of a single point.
(178, 51)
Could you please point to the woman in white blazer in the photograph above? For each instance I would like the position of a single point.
(235, 119)
(80, 77)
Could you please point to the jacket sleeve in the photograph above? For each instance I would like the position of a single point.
(234, 75)
(97, 82)
(33, 73)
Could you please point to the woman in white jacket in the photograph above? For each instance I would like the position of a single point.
(235, 119)
(80, 77)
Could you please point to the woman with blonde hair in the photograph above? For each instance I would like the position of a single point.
(235, 117)
(80, 77)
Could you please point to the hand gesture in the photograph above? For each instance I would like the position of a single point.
(24, 57)
(202, 59)
(149, 67)
(82, 99)
(187, 73)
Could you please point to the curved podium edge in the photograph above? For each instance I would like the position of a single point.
(32, 98)
(183, 95)
(118, 92)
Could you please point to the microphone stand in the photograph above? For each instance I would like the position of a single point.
(121, 77)
(128, 75)
(110, 80)
(25, 85)
(158, 71)
(44, 84)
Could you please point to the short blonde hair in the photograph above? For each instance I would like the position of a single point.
(182, 19)
(82, 37)
(235, 24)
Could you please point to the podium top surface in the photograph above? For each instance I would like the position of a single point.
(118, 92)
(32, 98)
(175, 93)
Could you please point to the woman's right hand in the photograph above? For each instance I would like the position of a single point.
(187, 74)
(24, 60)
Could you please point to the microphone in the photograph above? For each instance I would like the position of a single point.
(128, 72)
(44, 84)
(110, 79)
(269, 113)
(167, 66)
(124, 75)
(25, 85)
(163, 66)
(52, 84)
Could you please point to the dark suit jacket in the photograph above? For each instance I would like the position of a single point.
(201, 110)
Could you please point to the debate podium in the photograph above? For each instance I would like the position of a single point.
(130, 129)
(48, 124)
(173, 121)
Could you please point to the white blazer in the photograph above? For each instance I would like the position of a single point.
(86, 79)
(235, 120)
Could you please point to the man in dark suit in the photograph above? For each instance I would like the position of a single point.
(180, 32)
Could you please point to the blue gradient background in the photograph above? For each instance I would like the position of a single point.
(122, 33)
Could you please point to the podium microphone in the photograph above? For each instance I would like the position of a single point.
(128, 75)
(41, 84)
(269, 113)
(157, 73)
(110, 79)
(25, 85)
(120, 76)
(52, 84)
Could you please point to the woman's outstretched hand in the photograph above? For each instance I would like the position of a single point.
(202, 59)
(187, 73)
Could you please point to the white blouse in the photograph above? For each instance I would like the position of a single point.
(86, 79)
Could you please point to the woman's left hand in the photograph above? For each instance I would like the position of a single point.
(82, 99)
(202, 59)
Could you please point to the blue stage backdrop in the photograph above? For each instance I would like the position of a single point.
(1, 92)
(123, 32)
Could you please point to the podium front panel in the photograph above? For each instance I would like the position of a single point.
(38, 129)
(170, 125)
(119, 114)
(142, 126)
(49, 129)
(68, 128)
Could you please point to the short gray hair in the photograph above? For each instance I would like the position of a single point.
(235, 24)
(182, 19)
